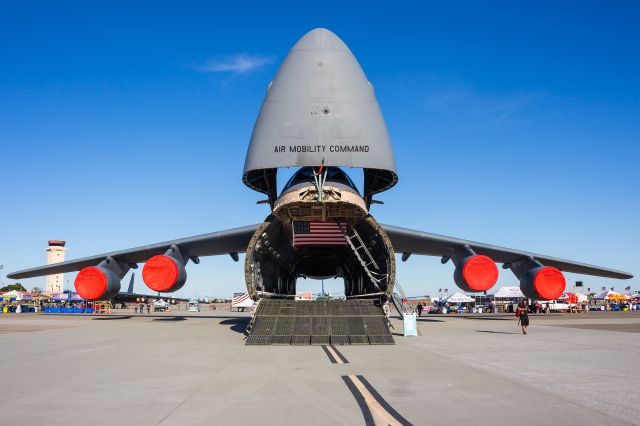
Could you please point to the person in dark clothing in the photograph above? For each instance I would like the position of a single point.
(420, 308)
(523, 316)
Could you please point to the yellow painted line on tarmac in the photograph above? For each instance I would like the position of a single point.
(375, 409)
(334, 355)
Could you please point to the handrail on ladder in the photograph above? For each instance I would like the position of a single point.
(400, 301)
(373, 275)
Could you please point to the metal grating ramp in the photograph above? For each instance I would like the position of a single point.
(300, 340)
(339, 340)
(259, 340)
(336, 322)
(320, 340)
(278, 340)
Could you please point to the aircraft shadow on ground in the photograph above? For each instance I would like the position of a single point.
(488, 318)
(496, 332)
(159, 317)
(176, 318)
(429, 320)
(238, 324)
(110, 318)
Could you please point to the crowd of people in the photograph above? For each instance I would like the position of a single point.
(533, 307)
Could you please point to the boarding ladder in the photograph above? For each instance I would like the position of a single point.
(362, 254)
(400, 300)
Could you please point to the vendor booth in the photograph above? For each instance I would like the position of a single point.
(610, 295)
(68, 303)
(611, 300)
(461, 300)
(506, 298)
(160, 305)
(18, 301)
(573, 298)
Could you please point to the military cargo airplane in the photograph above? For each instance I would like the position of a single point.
(320, 114)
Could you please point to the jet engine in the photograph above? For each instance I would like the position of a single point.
(537, 281)
(474, 272)
(543, 283)
(100, 282)
(165, 273)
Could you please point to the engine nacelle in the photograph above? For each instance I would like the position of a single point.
(543, 283)
(474, 272)
(165, 273)
(101, 282)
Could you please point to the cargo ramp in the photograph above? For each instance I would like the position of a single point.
(320, 322)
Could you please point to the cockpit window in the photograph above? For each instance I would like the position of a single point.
(334, 174)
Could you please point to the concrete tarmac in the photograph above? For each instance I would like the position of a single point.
(183, 368)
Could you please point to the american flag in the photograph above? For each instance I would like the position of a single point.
(627, 288)
(317, 234)
(239, 297)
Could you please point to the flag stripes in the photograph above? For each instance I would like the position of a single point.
(239, 297)
(317, 234)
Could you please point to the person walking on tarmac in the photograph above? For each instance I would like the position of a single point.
(523, 316)
(420, 308)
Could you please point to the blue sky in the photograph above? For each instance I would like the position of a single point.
(513, 124)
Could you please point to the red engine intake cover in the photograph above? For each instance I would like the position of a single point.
(543, 283)
(476, 273)
(163, 273)
(95, 283)
(549, 283)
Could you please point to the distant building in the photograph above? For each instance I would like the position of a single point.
(55, 254)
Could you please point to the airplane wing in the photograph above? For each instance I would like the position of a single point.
(215, 243)
(409, 241)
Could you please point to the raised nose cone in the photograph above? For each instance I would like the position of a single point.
(320, 106)
(320, 39)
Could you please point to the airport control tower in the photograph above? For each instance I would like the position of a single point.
(55, 254)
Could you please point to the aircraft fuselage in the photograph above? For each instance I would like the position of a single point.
(320, 228)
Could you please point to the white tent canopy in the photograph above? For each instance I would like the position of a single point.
(606, 295)
(509, 292)
(18, 295)
(579, 296)
(460, 298)
(161, 303)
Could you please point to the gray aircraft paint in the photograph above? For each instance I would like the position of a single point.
(292, 116)
(320, 106)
